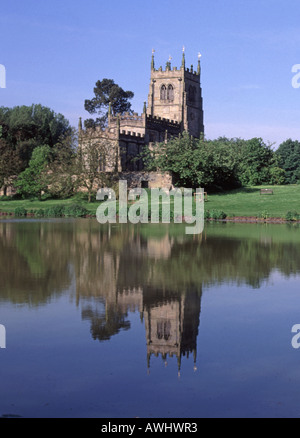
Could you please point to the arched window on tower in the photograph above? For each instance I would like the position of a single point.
(163, 330)
(170, 93)
(192, 94)
(163, 92)
(102, 163)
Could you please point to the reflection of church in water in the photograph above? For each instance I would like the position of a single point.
(172, 327)
(132, 282)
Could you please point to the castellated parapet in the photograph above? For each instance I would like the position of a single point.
(176, 94)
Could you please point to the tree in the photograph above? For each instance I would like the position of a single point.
(220, 164)
(33, 181)
(107, 93)
(195, 163)
(26, 127)
(255, 161)
(62, 167)
(95, 164)
(288, 155)
(277, 175)
(9, 163)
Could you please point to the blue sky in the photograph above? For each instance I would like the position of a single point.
(54, 52)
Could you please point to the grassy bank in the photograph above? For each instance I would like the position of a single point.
(246, 202)
(9, 206)
(250, 203)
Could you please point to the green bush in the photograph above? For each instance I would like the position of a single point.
(206, 214)
(214, 214)
(82, 196)
(292, 216)
(217, 214)
(6, 198)
(20, 212)
(75, 210)
(55, 211)
(46, 196)
(264, 215)
(39, 213)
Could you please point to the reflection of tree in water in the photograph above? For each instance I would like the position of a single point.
(34, 265)
(129, 268)
(216, 261)
(105, 323)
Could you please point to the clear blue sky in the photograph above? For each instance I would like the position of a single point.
(54, 52)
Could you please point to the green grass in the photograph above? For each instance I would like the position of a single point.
(10, 206)
(241, 202)
(249, 202)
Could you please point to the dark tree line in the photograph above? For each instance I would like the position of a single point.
(220, 164)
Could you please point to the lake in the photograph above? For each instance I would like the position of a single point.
(126, 321)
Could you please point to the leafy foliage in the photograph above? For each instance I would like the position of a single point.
(220, 164)
(72, 210)
(292, 216)
(75, 210)
(107, 92)
(87, 167)
(256, 160)
(24, 128)
(10, 162)
(20, 212)
(33, 180)
(288, 155)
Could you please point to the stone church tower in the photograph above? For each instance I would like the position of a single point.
(174, 106)
(176, 94)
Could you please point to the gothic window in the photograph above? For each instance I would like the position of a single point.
(163, 93)
(160, 330)
(167, 330)
(151, 137)
(192, 94)
(170, 92)
(102, 163)
(163, 330)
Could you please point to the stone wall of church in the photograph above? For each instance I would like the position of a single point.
(149, 180)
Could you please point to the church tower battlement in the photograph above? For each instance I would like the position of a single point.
(176, 94)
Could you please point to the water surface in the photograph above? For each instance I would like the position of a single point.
(145, 321)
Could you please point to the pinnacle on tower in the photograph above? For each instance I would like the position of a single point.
(183, 58)
(152, 60)
(199, 67)
(80, 124)
(168, 65)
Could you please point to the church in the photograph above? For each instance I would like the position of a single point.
(175, 105)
